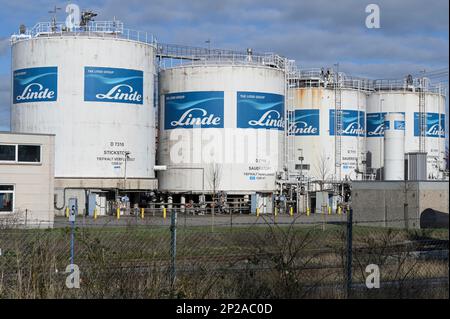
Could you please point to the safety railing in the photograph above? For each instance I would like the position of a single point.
(324, 78)
(94, 28)
(218, 57)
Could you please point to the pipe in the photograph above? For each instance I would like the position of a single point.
(64, 196)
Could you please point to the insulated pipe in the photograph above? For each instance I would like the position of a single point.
(394, 147)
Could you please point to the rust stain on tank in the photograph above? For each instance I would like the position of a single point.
(308, 97)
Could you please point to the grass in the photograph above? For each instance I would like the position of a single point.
(282, 261)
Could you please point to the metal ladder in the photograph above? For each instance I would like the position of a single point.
(422, 116)
(291, 79)
(337, 124)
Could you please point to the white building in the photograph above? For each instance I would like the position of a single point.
(27, 179)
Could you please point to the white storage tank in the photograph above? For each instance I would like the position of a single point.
(314, 132)
(406, 101)
(95, 91)
(221, 126)
(394, 144)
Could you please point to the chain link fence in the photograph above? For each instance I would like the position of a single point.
(217, 256)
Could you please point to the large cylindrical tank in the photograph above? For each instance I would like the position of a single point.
(394, 144)
(96, 94)
(221, 128)
(407, 101)
(315, 134)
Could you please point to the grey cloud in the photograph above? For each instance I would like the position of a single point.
(413, 32)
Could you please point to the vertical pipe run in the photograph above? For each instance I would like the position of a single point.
(394, 146)
(173, 247)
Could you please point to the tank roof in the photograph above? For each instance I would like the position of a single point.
(330, 79)
(111, 29)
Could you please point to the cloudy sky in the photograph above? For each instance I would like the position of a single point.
(413, 34)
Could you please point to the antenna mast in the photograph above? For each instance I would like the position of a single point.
(54, 11)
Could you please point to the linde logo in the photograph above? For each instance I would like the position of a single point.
(194, 109)
(189, 118)
(121, 92)
(270, 119)
(35, 91)
(353, 123)
(435, 125)
(306, 123)
(113, 85)
(375, 124)
(260, 110)
(354, 129)
(35, 85)
(435, 130)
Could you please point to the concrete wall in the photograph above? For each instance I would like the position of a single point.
(33, 183)
(397, 204)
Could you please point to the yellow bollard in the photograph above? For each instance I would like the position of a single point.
(308, 211)
(164, 213)
(67, 212)
(276, 211)
(257, 212)
(329, 210)
(95, 213)
(118, 213)
(339, 210)
(142, 213)
(291, 211)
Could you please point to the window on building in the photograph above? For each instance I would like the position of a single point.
(6, 198)
(7, 153)
(29, 153)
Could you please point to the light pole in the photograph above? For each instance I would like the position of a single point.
(209, 46)
(127, 156)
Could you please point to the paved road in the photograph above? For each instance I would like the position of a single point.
(207, 220)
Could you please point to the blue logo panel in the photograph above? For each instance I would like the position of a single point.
(435, 124)
(194, 109)
(260, 110)
(399, 125)
(113, 85)
(35, 85)
(306, 123)
(353, 123)
(375, 123)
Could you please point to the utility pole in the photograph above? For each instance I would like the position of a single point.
(422, 114)
(209, 46)
(127, 156)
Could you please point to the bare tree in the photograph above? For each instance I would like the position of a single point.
(323, 169)
(214, 178)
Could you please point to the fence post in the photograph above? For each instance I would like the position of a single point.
(173, 249)
(349, 254)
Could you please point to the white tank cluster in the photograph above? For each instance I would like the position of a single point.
(95, 91)
(365, 106)
(406, 100)
(226, 122)
(222, 125)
